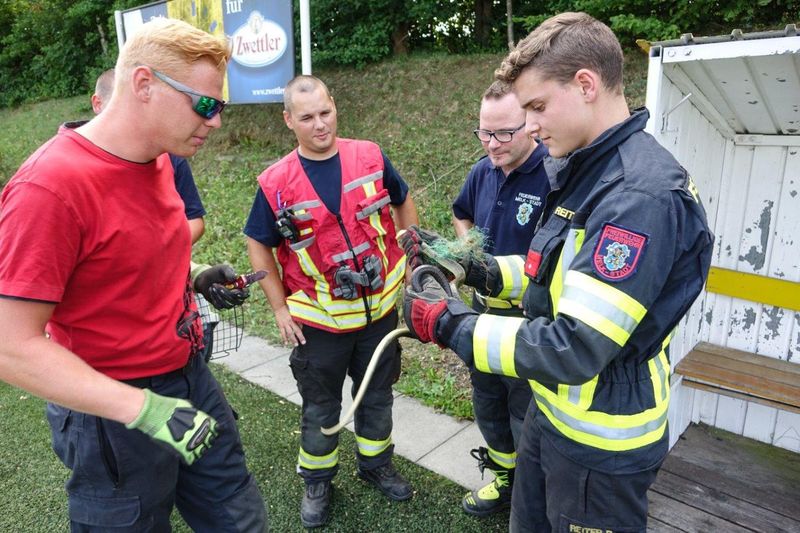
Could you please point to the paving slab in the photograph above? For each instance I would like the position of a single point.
(274, 375)
(419, 429)
(452, 459)
(253, 351)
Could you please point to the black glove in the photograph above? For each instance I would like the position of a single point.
(211, 284)
(411, 241)
(477, 272)
(425, 301)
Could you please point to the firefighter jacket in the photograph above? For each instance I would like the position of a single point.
(359, 242)
(622, 252)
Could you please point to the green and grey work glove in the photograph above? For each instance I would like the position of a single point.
(176, 423)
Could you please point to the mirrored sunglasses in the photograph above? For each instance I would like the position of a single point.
(205, 106)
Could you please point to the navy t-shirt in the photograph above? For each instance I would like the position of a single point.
(506, 208)
(184, 184)
(326, 178)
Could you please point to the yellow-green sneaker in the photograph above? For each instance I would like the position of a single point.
(494, 497)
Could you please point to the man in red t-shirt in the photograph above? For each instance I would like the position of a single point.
(92, 231)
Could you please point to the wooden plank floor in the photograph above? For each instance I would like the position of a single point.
(713, 480)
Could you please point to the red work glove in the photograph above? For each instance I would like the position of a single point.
(425, 301)
(411, 241)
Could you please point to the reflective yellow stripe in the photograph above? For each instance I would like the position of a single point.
(505, 460)
(579, 395)
(310, 269)
(603, 430)
(371, 448)
(607, 293)
(302, 307)
(586, 394)
(602, 307)
(493, 344)
(594, 320)
(572, 244)
(347, 314)
(318, 462)
(497, 303)
(512, 273)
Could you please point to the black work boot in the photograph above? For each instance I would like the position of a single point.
(388, 481)
(494, 497)
(316, 505)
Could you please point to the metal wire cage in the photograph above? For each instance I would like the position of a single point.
(222, 329)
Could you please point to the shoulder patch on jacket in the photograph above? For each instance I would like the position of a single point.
(618, 252)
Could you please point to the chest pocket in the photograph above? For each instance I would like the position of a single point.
(542, 255)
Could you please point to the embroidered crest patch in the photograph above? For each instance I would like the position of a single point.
(618, 252)
(524, 213)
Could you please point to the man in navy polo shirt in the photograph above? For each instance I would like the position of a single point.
(503, 196)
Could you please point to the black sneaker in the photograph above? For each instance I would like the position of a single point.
(316, 505)
(388, 481)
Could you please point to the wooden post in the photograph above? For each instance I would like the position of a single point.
(510, 23)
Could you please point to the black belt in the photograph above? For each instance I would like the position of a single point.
(147, 382)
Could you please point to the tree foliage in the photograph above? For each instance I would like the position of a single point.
(668, 19)
(55, 48)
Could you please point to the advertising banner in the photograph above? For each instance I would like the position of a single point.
(261, 33)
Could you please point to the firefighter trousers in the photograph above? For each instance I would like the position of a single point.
(319, 367)
(122, 480)
(500, 404)
(553, 493)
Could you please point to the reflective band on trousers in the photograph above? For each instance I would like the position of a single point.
(318, 462)
(607, 431)
(371, 448)
(505, 460)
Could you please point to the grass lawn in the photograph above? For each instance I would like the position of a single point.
(34, 500)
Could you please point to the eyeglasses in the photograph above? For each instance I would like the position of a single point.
(502, 136)
(205, 106)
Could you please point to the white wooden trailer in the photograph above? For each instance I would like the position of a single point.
(728, 108)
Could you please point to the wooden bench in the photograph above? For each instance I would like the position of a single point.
(743, 375)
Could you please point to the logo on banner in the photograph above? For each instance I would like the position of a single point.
(618, 252)
(258, 42)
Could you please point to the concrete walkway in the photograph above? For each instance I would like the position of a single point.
(435, 441)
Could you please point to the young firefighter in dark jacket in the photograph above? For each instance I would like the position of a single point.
(622, 252)
(325, 210)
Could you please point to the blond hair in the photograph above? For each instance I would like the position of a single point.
(303, 83)
(171, 46)
(564, 44)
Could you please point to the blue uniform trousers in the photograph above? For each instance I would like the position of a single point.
(320, 366)
(123, 481)
(553, 493)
